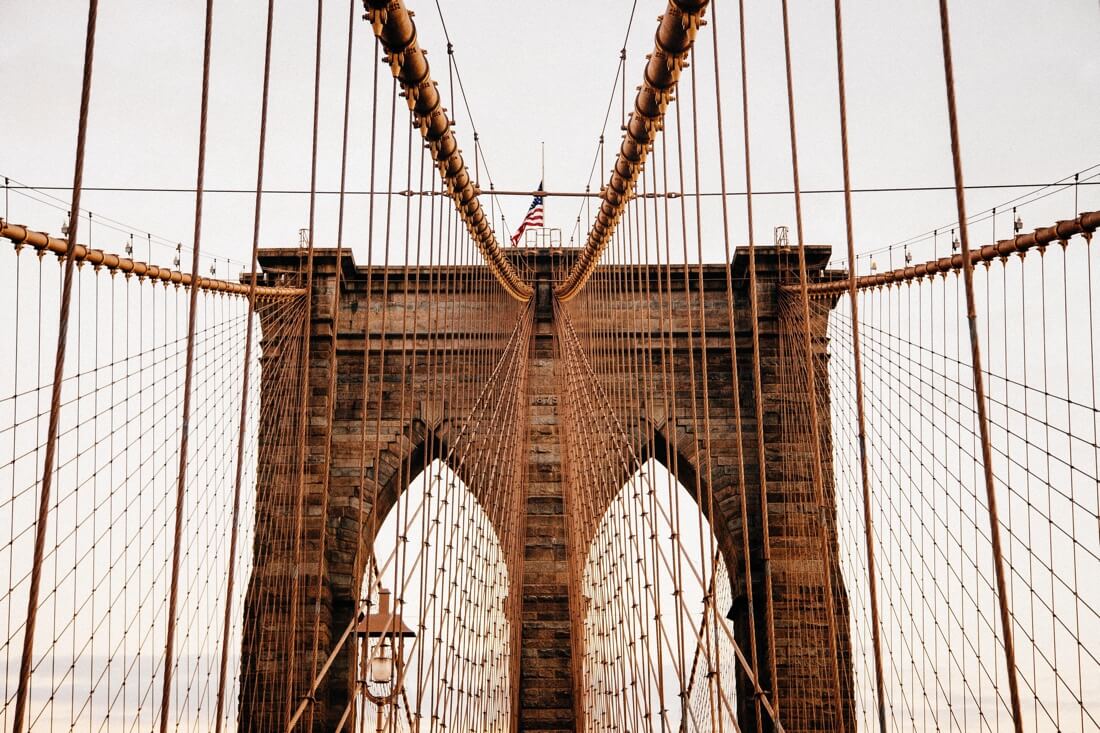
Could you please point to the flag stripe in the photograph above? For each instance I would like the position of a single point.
(534, 217)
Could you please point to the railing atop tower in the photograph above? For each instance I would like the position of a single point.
(541, 237)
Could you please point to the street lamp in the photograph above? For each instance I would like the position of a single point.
(380, 663)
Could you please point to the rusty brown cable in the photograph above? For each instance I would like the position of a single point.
(43, 242)
(650, 391)
(614, 427)
(674, 39)
(496, 439)
(276, 534)
(404, 472)
(430, 455)
(686, 279)
(711, 639)
(307, 328)
(636, 392)
(459, 468)
(372, 516)
(189, 369)
(668, 379)
(811, 389)
(518, 338)
(445, 325)
(393, 25)
(1086, 223)
(758, 399)
(857, 361)
(979, 376)
(407, 465)
(375, 519)
(27, 656)
(406, 468)
(360, 566)
(247, 373)
(462, 352)
(330, 397)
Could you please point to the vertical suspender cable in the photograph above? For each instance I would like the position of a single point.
(304, 376)
(754, 316)
(189, 371)
(369, 565)
(245, 379)
(979, 378)
(674, 38)
(872, 580)
(326, 472)
(807, 342)
(713, 653)
(23, 691)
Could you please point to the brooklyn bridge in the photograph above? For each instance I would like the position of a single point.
(426, 472)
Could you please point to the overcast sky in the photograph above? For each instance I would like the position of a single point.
(538, 72)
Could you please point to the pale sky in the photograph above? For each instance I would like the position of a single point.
(539, 72)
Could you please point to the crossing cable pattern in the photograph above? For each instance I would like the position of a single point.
(122, 412)
(131, 614)
(868, 694)
(138, 619)
(667, 418)
(394, 26)
(459, 365)
(99, 652)
(795, 498)
(943, 660)
(674, 38)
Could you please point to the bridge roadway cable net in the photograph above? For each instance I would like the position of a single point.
(390, 491)
(105, 575)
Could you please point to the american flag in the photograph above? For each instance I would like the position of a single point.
(533, 218)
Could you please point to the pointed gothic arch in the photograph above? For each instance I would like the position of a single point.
(439, 554)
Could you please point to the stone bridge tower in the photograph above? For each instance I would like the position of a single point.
(543, 676)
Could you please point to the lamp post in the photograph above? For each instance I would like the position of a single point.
(380, 667)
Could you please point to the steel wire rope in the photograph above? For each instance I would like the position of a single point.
(1007, 640)
(23, 690)
(362, 608)
(605, 408)
(479, 152)
(331, 356)
(246, 372)
(307, 334)
(620, 70)
(40, 195)
(734, 368)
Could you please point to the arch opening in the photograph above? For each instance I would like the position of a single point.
(654, 583)
(438, 555)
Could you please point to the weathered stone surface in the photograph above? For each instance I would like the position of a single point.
(405, 433)
(546, 677)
